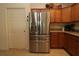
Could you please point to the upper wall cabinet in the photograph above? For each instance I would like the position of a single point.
(58, 17)
(75, 12)
(55, 15)
(66, 14)
(52, 15)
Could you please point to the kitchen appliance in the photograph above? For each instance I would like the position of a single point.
(69, 27)
(39, 31)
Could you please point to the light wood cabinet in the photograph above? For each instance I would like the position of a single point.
(53, 40)
(75, 12)
(58, 17)
(55, 15)
(61, 39)
(77, 48)
(71, 44)
(56, 40)
(66, 14)
(65, 40)
(52, 15)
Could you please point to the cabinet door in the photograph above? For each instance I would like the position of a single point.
(55, 15)
(72, 45)
(52, 15)
(66, 14)
(58, 15)
(77, 46)
(73, 13)
(57, 40)
(77, 49)
(75, 10)
(66, 41)
(54, 40)
(61, 39)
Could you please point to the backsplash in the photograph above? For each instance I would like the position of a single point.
(56, 26)
(60, 26)
(76, 26)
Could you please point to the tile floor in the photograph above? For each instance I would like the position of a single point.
(16, 52)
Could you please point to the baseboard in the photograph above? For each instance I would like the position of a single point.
(4, 49)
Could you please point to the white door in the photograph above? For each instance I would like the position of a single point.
(16, 19)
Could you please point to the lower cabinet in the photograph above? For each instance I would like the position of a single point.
(61, 39)
(71, 44)
(72, 47)
(76, 46)
(53, 40)
(56, 39)
(65, 40)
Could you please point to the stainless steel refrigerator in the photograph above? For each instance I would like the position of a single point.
(39, 31)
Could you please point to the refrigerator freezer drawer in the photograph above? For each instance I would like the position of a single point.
(39, 46)
(39, 37)
(33, 46)
(44, 46)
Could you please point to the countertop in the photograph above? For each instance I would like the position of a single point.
(69, 32)
(73, 33)
(56, 31)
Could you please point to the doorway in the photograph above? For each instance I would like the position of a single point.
(16, 23)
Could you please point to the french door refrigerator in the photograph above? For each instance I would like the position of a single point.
(39, 31)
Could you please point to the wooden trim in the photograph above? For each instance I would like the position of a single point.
(70, 6)
(74, 4)
(66, 7)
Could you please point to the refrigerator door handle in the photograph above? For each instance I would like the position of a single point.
(29, 20)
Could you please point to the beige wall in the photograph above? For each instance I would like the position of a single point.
(38, 5)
